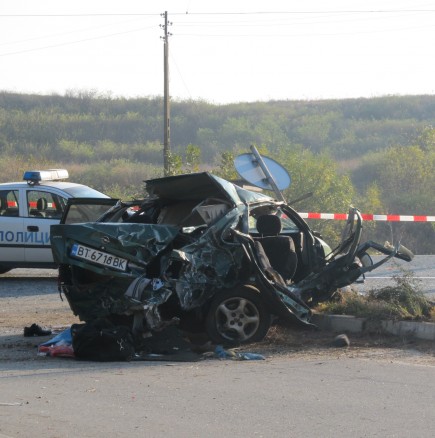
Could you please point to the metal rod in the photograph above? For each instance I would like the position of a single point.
(267, 174)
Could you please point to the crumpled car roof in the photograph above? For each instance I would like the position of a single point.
(198, 186)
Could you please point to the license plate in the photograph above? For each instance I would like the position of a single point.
(98, 257)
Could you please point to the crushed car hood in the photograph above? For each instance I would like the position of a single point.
(138, 244)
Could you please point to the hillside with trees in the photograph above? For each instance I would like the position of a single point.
(378, 154)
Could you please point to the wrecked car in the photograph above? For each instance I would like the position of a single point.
(214, 257)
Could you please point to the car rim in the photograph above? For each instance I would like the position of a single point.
(237, 319)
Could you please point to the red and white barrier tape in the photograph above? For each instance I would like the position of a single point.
(370, 217)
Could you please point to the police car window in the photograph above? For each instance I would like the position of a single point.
(44, 205)
(80, 191)
(9, 203)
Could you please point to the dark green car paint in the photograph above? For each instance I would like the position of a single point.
(189, 240)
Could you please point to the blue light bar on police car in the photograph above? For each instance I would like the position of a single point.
(36, 176)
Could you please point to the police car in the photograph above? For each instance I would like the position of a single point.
(28, 209)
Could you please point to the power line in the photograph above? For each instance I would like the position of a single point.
(18, 52)
(72, 32)
(335, 11)
(75, 15)
(138, 14)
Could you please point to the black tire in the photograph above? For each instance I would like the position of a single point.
(237, 316)
(4, 269)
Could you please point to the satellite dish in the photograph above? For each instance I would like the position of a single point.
(250, 169)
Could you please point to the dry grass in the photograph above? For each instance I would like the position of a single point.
(402, 301)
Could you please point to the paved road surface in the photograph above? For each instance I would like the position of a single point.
(329, 393)
(422, 267)
(340, 397)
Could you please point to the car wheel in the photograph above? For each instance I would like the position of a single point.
(4, 269)
(237, 317)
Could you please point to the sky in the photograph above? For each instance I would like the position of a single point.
(219, 51)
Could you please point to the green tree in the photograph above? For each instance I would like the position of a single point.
(406, 181)
(225, 168)
(332, 191)
(193, 158)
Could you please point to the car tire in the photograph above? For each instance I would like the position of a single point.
(237, 316)
(4, 269)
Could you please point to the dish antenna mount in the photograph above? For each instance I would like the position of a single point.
(262, 172)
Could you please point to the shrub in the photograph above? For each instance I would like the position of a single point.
(404, 300)
(405, 297)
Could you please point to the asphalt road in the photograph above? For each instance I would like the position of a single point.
(421, 267)
(328, 393)
(338, 397)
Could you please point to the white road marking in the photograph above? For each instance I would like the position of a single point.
(381, 278)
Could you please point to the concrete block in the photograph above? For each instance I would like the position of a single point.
(352, 324)
(420, 330)
(339, 323)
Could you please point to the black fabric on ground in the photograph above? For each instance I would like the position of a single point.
(99, 340)
(168, 345)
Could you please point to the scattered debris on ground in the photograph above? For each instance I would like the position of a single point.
(36, 330)
(19, 310)
(281, 342)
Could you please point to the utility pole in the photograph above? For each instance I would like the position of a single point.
(166, 109)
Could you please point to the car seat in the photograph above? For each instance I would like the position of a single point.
(8, 210)
(41, 206)
(280, 249)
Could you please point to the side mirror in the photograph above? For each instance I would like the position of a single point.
(366, 260)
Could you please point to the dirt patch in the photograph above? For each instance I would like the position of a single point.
(24, 301)
(283, 341)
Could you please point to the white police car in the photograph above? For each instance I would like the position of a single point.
(28, 209)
